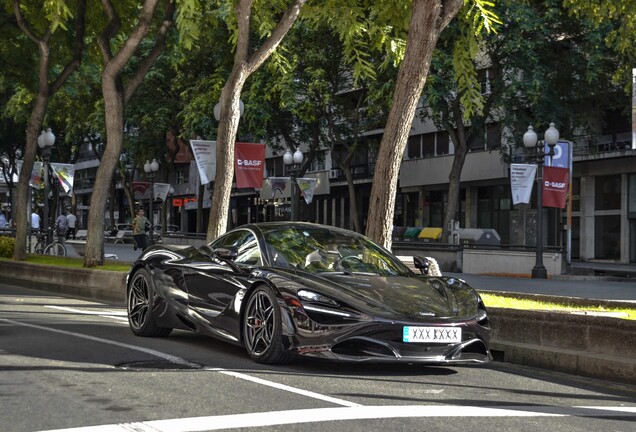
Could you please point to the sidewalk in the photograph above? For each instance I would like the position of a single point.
(585, 287)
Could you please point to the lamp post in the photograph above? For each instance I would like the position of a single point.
(46, 140)
(151, 169)
(551, 137)
(293, 162)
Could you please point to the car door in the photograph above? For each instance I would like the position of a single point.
(214, 288)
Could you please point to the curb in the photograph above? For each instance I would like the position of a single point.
(591, 346)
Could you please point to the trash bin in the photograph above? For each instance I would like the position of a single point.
(411, 233)
(398, 233)
(430, 234)
(474, 237)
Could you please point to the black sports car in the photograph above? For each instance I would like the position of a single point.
(288, 289)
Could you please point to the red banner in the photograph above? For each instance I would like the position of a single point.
(249, 164)
(555, 186)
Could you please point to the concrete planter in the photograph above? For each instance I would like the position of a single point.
(99, 285)
(587, 345)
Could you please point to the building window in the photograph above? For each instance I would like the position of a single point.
(318, 163)
(576, 194)
(631, 199)
(414, 150)
(180, 175)
(607, 237)
(493, 136)
(428, 145)
(607, 193)
(442, 143)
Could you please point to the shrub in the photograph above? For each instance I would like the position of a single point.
(6, 246)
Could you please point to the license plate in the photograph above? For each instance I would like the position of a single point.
(432, 334)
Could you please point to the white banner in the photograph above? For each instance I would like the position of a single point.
(278, 184)
(521, 181)
(205, 156)
(161, 191)
(307, 187)
(65, 174)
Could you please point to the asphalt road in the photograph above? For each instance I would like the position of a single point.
(67, 363)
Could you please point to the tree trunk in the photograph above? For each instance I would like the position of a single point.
(21, 217)
(453, 187)
(220, 204)
(244, 65)
(428, 19)
(114, 112)
(115, 98)
(353, 202)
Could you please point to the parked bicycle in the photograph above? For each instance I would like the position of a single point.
(43, 247)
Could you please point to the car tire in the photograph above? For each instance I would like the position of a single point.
(262, 328)
(140, 304)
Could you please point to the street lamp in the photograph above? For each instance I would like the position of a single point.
(293, 162)
(551, 137)
(151, 169)
(46, 140)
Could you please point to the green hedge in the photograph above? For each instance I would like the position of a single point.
(7, 244)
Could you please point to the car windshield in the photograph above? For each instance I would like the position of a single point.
(319, 250)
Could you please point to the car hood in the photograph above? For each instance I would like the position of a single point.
(414, 297)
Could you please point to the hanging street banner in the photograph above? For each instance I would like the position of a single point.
(521, 180)
(278, 184)
(205, 157)
(555, 186)
(36, 181)
(65, 174)
(249, 164)
(139, 189)
(307, 187)
(161, 191)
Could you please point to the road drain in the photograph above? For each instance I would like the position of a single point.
(159, 365)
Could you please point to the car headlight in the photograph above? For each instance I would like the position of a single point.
(314, 297)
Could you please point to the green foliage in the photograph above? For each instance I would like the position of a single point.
(57, 12)
(7, 244)
(619, 17)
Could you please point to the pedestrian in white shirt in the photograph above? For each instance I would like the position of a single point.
(71, 221)
(35, 221)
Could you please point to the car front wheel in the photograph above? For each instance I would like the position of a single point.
(262, 328)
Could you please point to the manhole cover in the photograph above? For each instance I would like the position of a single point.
(159, 365)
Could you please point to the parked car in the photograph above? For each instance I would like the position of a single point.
(122, 232)
(298, 289)
(170, 229)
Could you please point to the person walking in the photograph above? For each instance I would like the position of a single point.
(62, 226)
(71, 219)
(140, 224)
(3, 220)
(35, 221)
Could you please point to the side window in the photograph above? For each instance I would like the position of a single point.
(246, 244)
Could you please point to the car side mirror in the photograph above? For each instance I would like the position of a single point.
(226, 254)
(422, 264)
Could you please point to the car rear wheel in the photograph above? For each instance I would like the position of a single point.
(262, 328)
(140, 305)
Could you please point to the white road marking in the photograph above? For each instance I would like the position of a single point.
(317, 415)
(116, 315)
(159, 354)
(286, 387)
(179, 360)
